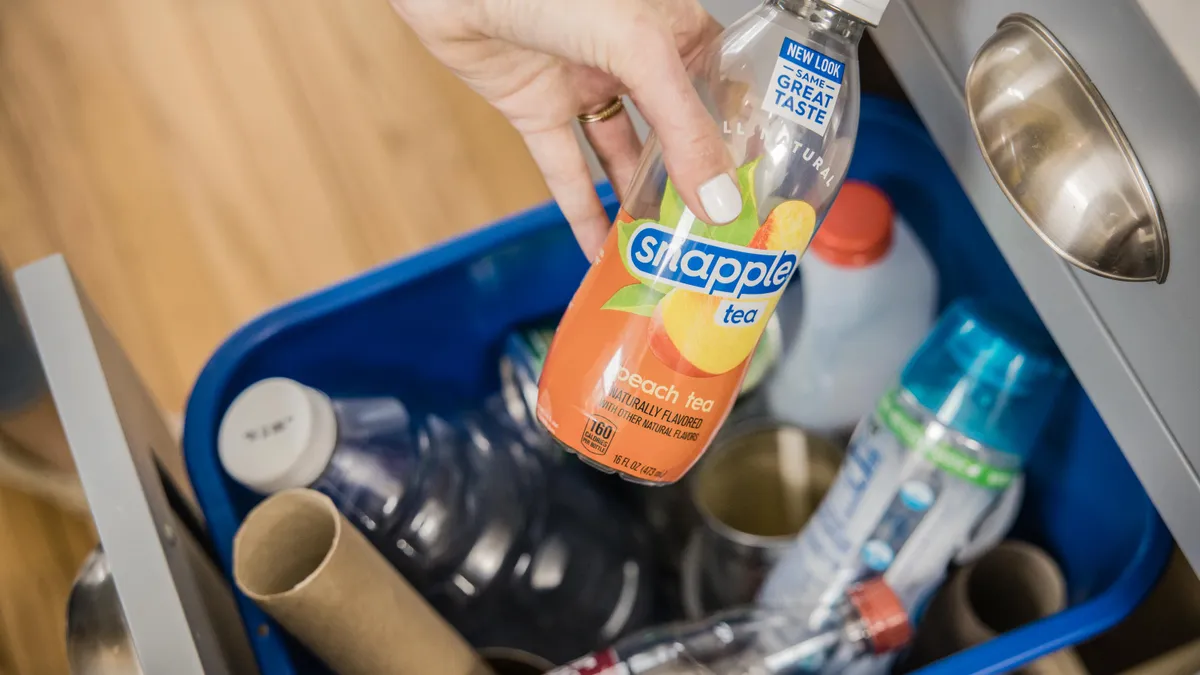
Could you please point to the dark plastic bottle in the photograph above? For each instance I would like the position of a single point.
(513, 551)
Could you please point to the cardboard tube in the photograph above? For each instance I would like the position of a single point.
(1011, 586)
(305, 565)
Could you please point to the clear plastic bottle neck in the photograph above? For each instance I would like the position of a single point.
(823, 17)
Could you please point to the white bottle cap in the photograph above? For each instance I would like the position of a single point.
(870, 11)
(277, 434)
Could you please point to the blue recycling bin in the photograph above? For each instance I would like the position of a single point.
(428, 329)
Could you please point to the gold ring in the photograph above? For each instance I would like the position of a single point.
(607, 112)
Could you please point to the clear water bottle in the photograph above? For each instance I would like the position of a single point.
(744, 641)
(512, 552)
(923, 471)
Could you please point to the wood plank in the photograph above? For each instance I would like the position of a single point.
(43, 549)
(385, 111)
(64, 102)
(198, 161)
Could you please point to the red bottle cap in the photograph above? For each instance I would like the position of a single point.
(857, 231)
(883, 616)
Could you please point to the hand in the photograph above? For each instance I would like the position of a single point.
(543, 62)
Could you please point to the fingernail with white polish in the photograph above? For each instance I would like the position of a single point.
(721, 199)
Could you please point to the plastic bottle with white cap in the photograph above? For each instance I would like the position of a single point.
(512, 552)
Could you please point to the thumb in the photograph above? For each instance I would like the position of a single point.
(697, 159)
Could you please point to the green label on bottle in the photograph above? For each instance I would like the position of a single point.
(943, 455)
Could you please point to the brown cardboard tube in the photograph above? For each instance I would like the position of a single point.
(305, 565)
(1012, 585)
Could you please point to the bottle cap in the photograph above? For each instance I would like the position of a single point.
(870, 11)
(277, 434)
(882, 614)
(857, 231)
(989, 375)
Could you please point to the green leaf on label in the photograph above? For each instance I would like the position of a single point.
(635, 299)
(624, 232)
(672, 207)
(742, 229)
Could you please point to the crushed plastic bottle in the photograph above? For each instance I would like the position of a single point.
(758, 641)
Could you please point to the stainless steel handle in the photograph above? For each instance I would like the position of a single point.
(1061, 158)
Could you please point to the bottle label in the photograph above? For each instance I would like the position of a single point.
(651, 352)
(894, 501)
(943, 455)
(804, 86)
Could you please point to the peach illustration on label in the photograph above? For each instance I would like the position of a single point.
(789, 227)
(686, 336)
(704, 335)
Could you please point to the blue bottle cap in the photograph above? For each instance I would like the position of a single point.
(987, 375)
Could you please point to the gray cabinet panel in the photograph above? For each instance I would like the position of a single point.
(1157, 328)
(180, 617)
(1134, 346)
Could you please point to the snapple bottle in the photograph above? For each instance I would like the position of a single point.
(649, 356)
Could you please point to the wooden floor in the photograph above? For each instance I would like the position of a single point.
(198, 161)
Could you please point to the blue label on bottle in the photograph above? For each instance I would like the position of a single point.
(662, 256)
(804, 86)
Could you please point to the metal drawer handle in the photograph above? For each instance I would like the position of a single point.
(1060, 157)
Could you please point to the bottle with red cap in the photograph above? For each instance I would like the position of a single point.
(867, 296)
(761, 641)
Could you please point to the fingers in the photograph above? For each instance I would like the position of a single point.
(695, 155)
(631, 40)
(617, 147)
(561, 160)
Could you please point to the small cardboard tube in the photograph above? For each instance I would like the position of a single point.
(305, 565)
(1012, 585)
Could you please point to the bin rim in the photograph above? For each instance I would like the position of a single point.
(1075, 624)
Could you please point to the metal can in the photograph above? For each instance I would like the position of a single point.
(754, 493)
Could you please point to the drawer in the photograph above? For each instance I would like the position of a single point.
(179, 616)
(1135, 346)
